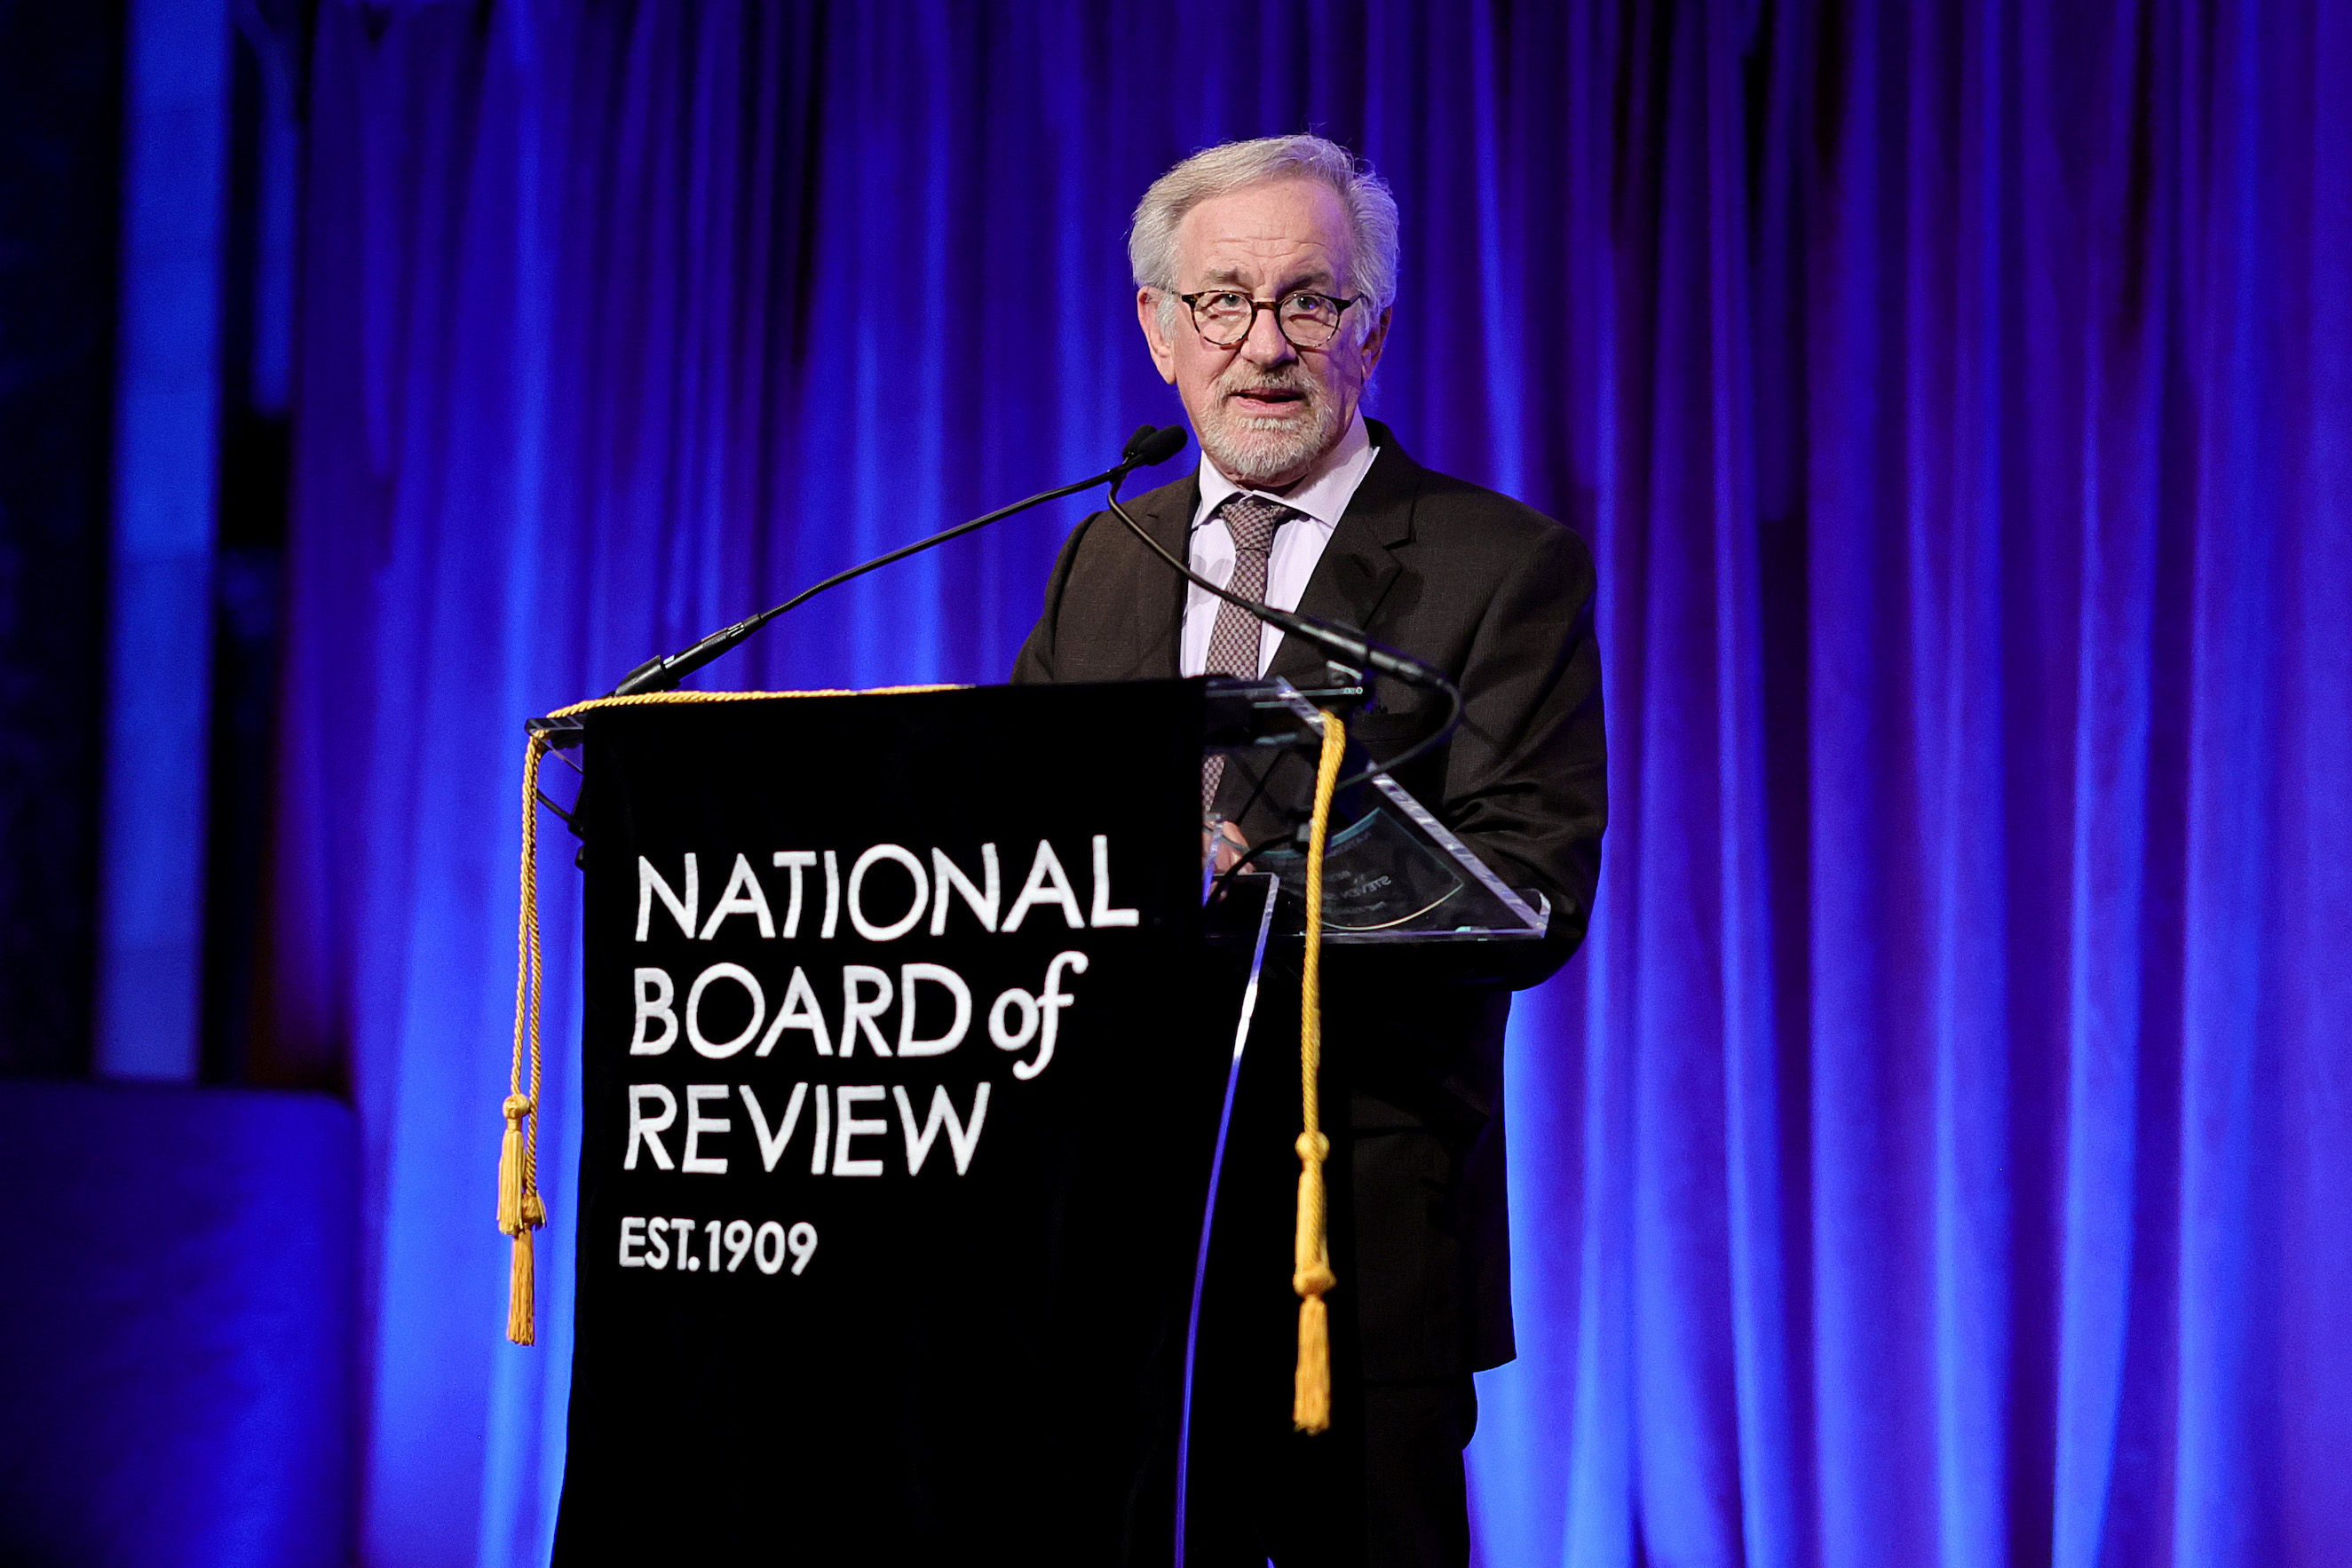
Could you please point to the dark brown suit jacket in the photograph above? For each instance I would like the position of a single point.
(1500, 598)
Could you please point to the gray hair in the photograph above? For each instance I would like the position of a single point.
(1237, 165)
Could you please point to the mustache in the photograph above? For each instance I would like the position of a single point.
(1294, 380)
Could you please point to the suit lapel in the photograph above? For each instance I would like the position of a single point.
(1166, 514)
(1359, 564)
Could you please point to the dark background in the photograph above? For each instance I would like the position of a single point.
(60, 99)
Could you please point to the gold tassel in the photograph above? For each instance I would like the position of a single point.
(520, 1305)
(1311, 1275)
(519, 1212)
(517, 1107)
(1310, 1398)
(1310, 1394)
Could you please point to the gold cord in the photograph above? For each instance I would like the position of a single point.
(519, 1209)
(1310, 1404)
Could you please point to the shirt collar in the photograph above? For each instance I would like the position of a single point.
(1322, 498)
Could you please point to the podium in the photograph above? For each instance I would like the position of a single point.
(911, 1027)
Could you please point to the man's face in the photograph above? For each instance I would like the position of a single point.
(1266, 412)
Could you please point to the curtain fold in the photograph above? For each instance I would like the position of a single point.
(1937, 1153)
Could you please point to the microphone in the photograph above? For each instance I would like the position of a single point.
(1146, 448)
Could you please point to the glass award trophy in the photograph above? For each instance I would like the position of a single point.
(1391, 874)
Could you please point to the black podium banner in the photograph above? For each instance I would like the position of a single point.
(900, 1086)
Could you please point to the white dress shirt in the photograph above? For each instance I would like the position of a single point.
(1298, 543)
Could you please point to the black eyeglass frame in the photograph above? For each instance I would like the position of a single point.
(1193, 308)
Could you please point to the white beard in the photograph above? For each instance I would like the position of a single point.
(1253, 451)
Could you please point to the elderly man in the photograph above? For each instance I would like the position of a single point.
(1266, 275)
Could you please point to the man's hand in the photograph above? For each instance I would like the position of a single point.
(1222, 842)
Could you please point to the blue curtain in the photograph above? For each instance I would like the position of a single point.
(1938, 1155)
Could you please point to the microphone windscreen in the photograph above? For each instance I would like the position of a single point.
(1161, 444)
(1134, 443)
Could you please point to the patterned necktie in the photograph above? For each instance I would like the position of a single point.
(1234, 642)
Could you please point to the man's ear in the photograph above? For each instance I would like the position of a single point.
(1147, 315)
(1375, 340)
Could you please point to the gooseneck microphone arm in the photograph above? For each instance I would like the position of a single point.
(1145, 448)
(1343, 644)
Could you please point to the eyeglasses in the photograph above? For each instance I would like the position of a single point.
(1225, 316)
